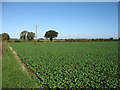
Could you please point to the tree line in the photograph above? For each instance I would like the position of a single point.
(26, 35)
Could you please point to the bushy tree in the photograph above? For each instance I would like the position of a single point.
(27, 35)
(30, 35)
(5, 36)
(111, 38)
(51, 34)
(23, 35)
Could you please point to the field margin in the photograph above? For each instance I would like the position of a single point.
(23, 65)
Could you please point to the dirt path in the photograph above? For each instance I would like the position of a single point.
(23, 65)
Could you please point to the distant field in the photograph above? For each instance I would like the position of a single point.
(71, 64)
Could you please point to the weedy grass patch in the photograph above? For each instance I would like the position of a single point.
(12, 75)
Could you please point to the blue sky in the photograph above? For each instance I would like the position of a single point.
(69, 19)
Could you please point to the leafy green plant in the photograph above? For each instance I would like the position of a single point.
(72, 64)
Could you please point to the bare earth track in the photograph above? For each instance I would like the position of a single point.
(23, 65)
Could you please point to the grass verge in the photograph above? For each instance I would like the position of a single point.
(12, 75)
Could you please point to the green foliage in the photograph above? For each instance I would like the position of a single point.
(23, 35)
(5, 36)
(51, 34)
(27, 35)
(30, 35)
(72, 64)
(12, 75)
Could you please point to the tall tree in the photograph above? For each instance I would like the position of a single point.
(51, 34)
(27, 35)
(23, 35)
(30, 35)
(5, 36)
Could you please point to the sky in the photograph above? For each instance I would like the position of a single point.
(69, 19)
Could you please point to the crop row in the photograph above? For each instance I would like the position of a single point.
(69, 65)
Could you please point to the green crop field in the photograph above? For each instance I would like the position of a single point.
(71, 64)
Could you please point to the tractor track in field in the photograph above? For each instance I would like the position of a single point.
(23, 65)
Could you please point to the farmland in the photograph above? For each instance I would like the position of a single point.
(71, 64)
(12, 74)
